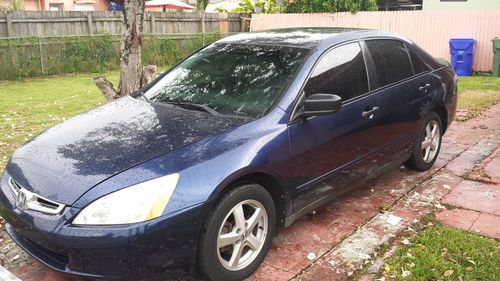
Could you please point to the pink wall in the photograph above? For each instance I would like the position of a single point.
(32, 5)
(68, 5)
(429, 29)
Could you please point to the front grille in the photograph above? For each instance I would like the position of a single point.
(14, 185)
(27, 200)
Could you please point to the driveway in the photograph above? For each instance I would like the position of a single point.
(338, 238)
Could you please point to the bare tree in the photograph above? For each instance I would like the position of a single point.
(132, 74)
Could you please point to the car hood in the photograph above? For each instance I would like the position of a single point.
(67, 160)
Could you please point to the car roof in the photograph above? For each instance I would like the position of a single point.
(305, 37)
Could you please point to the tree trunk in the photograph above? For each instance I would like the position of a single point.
(148, 74)
(106, 88)
(132, 75)
(130, 47)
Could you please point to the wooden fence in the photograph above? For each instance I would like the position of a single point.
(429, 29)
(26, 23)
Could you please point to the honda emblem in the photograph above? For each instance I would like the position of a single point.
(22, 200)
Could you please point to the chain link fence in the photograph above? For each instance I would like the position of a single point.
(40, 56)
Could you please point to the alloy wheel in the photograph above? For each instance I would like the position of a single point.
(242, 235)
(430, 142)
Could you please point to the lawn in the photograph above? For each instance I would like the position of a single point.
(30, 106)
(475, 94)
(441, 253)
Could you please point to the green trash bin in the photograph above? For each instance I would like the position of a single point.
(496, 57)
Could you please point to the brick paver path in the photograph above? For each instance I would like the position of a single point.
(475, 205)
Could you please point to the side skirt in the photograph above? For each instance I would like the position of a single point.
(337, 193)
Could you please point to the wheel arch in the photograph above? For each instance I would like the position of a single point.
(443, 114)
(270, 183)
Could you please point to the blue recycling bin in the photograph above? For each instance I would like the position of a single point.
(115, 6)
(462, 52)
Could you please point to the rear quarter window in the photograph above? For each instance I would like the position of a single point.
(391, 61)
(418, 65)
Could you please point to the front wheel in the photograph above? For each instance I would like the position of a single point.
(238, 234)
(428, 144)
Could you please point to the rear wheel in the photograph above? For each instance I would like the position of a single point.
(238, 234)
(428, 144)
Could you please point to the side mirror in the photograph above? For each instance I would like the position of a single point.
(321, 104)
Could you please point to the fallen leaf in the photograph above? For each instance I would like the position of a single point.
(448, 272)
(14, 258)
(444, 251)
(387, 268)
(469, 268)
(439, 206)
(471, 261)
(393, 220)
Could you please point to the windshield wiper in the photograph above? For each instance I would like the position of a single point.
(140, 93)
(195, 106)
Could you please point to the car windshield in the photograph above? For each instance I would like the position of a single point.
(232, 79)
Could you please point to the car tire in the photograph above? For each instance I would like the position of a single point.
(232, 222)
(428, 144)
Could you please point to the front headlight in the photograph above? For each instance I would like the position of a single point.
(137, 203)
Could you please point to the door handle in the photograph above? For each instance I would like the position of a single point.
(425, 88)
(369, 113)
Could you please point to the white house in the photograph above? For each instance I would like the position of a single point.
(227, 5)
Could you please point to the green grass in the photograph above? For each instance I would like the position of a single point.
(475, 94)
(479, 83)
(31, 106)
(441, 253)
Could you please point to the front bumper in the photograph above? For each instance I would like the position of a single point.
(163, 247)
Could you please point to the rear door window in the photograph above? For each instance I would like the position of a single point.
(391, 61)
(341, 71)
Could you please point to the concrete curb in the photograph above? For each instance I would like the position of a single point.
(6, 275)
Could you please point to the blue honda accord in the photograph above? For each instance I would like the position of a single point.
(193, 173)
